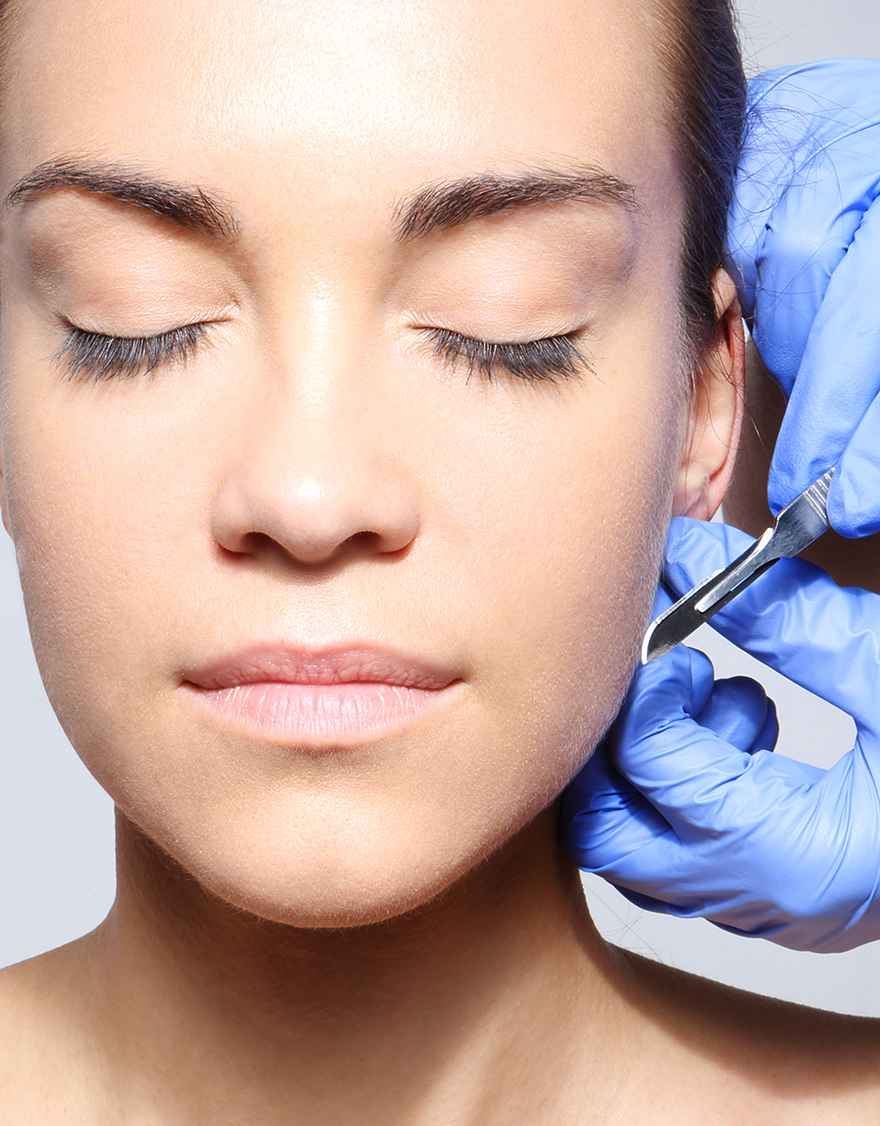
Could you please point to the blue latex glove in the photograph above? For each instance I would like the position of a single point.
(804, 247)
(707, 821)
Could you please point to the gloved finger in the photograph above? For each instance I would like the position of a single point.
(740, 713)
(604, 817)
(802, 124)
(685, 854)
(611, 829)
(805, 242)
(776, 124)
(724, 859)
(839, 375)
(854, 499)
(682, 767)
(812, 228)
(638, 866)
(794, 618)
(606, 821)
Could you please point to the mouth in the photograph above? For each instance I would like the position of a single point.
(337, 697)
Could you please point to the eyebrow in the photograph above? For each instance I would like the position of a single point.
(447, 204)
(439, 206)
(188, 206)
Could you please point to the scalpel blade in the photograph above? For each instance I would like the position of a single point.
(796, 527)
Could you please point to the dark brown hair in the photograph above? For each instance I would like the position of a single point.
(706, 113)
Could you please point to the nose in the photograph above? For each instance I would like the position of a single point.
(317, 477)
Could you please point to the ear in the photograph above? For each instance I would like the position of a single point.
(716, 411)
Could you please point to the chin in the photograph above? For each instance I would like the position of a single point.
(346, 900)
(328, 881)
(337, 911)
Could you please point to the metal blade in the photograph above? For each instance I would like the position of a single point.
(680, 620)
(796, 527)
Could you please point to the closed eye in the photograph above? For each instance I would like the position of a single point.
(99, 357)
(547, 360)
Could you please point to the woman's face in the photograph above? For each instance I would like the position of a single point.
(330, 601)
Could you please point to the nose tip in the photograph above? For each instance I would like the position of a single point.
(321, 461)
(315, 519)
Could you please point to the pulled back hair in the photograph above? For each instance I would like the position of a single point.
(706, 110)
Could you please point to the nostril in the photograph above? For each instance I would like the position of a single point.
(379, 544)
(260, 524)
(316, 501)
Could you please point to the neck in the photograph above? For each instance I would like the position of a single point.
(430, 1017)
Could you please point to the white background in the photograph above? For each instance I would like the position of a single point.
(56, 840)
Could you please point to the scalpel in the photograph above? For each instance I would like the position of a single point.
(797, 525)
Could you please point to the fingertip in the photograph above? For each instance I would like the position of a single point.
(768, 736)
(854, 499)
(696, 549)
(662, 693)
(739, 712)
(779, 490)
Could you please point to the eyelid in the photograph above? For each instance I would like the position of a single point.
(548, 359)
(104, 356)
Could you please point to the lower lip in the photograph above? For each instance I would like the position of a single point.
(320, 713)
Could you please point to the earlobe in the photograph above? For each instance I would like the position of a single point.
(716, 412)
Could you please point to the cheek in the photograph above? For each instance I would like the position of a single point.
(99, 505)
(573, 527)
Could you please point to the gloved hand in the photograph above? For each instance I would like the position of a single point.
(686, 808)
(804, 248)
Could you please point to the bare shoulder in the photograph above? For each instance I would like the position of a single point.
(789, 1063)
(42, 1041)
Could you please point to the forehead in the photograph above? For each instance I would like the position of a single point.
(320, 95)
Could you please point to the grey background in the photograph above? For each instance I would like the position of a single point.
(56, 825)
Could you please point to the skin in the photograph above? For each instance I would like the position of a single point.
(386, 933)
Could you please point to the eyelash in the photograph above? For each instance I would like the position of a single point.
(112, 357)
(548, 360)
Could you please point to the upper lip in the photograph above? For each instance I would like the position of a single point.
(343, 664)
